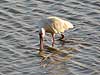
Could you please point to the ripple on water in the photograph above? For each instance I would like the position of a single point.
(11, 10)
(96, 3)
(46, 1)
(3, 1)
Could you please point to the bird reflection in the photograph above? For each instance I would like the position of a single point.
(53, 56)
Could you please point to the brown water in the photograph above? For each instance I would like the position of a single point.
(19, 41)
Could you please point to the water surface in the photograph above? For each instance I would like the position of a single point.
(19, 41)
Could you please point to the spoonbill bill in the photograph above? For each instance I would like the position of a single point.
(52, 25)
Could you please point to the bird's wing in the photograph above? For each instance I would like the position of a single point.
(57, 25)
(68, 25)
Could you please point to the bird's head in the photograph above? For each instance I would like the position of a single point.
(42, 32)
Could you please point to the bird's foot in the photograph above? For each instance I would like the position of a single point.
(62, 37)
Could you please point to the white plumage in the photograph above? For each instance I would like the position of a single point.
(52, 25)
(55, 25)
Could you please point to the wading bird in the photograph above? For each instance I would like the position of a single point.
(52, 25)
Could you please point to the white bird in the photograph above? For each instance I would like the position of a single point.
(52, 25)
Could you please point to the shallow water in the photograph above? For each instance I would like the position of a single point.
(19, 41)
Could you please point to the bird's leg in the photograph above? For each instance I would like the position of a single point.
(62, 36)
(41, 41)
(53, 39)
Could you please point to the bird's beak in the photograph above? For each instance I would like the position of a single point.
(41, 40)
